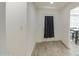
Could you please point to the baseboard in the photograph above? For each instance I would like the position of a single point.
(32, 54)
(64, 44)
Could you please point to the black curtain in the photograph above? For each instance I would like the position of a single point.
(49, 27)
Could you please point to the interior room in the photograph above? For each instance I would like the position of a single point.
(36, 29)
(74, 29)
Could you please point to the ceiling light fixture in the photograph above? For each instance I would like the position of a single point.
(51, 2)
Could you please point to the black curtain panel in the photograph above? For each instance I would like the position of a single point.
(49, 27)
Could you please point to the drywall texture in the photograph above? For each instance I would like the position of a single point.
(2, 29)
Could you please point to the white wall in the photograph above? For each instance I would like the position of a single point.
(65, 17)
(20, 28)
(16, 28)
(41, 13)
(2, 29)
(31, 24)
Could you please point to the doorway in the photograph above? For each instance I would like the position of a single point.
(74, 30)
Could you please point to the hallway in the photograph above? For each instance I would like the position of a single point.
(22, 27)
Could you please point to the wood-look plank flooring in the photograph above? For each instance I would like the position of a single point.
(51, 48)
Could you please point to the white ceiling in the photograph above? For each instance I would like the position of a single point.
(55, 5)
